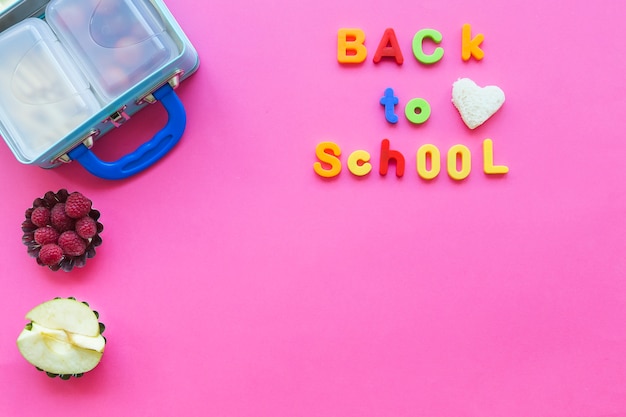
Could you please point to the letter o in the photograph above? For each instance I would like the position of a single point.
(432, 152)
(417, 111)
(462, 152)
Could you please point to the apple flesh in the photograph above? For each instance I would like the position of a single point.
(62, 338)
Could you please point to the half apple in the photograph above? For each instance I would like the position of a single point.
(63, 337)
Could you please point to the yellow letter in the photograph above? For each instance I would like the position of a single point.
(489, 167)
(471, 47)
(358, 163)
(350, 46)
(327, 152)
(466, 162)
(424, 152)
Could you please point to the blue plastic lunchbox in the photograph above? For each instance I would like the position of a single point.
(72, 70)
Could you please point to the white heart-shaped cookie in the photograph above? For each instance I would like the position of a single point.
(476, 104)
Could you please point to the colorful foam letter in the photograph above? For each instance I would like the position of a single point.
(463, 155)
(417, 111)
(387, 155)
(418, 46)
(488, 165)
(424, 153)
(470, 47)
(351, 46)
(359, 163)
(389, 47)
(389, 100)
(327, 153)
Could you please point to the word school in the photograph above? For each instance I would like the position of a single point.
(428, 161)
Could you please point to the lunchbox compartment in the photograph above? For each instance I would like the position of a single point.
(43, 96)
(117, 43)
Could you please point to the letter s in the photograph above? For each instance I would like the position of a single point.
(327, 153)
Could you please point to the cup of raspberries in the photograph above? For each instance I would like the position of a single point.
(61, 230)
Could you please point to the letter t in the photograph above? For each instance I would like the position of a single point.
(389, 100)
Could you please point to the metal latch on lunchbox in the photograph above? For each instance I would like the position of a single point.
(173, 81)
(118, 118)
(85, 140)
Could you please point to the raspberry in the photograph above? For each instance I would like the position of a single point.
(45, 235)
(86, 227)
(72, 244)
(46, 223)
(40, 216)
(61, 221)
(77, 205)
(50, 254)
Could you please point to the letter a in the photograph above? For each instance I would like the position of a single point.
(388, 47)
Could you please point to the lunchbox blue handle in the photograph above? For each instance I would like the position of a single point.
(148, 153)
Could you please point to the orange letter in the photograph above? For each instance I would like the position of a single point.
(327, 152)
(471, 47)
(388, 47)
(350, 46)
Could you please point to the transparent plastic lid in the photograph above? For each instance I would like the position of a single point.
(117, 43)
(44, 97)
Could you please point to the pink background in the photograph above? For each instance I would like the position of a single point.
(234, 281)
